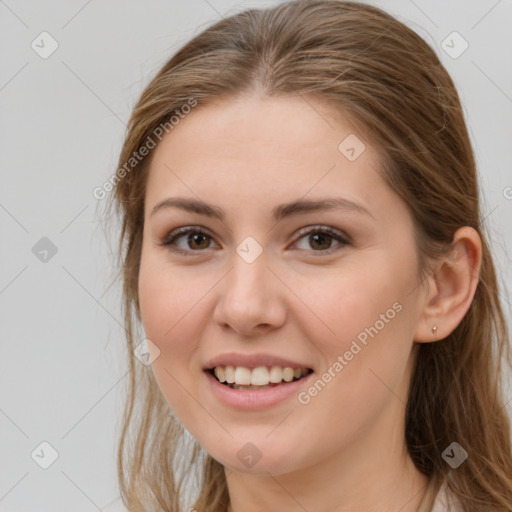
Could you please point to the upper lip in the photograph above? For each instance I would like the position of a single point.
(251, 361)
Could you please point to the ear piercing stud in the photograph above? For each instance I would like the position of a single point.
(434, 330)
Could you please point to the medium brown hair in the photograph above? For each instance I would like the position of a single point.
(387, 80)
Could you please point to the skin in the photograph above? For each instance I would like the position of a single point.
(344, 450)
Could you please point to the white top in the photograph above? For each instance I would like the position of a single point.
(443, 503)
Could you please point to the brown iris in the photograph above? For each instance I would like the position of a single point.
(197, 237)
(321, 238)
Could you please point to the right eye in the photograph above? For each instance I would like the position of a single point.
(196, 239)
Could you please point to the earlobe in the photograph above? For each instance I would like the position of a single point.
(452, 287)
(434, 334)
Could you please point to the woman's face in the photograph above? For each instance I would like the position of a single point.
(264, 285)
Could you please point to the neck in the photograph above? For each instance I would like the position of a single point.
(373, 472)
(378, 488)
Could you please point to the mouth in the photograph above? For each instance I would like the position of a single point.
(259, 378)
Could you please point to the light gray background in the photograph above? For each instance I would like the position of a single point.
(62, 375)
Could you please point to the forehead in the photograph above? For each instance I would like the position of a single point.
(256, 148)
(243, 123)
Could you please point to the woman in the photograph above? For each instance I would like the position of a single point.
(302, 243)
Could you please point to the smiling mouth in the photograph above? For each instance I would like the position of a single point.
(259, 378)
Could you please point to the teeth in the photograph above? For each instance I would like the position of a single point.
(288, 374)
(229, 373)
(242, 376)
(259, 376)
(276, 374)
(220, 373)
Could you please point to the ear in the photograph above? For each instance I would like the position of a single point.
(451, 287)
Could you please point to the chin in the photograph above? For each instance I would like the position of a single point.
(250, 459)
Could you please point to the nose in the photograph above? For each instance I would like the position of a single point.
(251, 298)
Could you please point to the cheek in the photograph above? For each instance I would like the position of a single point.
(171, 318)
(170, 310)
(343, 302)
(367, 313)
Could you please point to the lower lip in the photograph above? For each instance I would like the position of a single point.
(253, 399)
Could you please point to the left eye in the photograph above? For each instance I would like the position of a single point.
(320, 237)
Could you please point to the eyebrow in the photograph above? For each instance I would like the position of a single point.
(278, 213)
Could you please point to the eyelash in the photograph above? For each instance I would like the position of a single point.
(335, 234)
